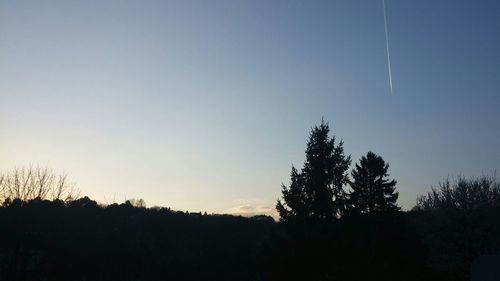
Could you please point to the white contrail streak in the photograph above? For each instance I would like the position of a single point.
(387, 46)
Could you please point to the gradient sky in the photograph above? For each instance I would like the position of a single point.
(205, 105)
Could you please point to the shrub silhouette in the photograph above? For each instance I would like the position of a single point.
(462, 194)
(458, 222)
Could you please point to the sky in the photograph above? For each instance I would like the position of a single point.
(206, 105)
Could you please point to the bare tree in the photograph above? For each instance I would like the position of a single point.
(462, 194)
(139, 203)
(35, 182)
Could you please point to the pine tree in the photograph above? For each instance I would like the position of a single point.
(316, 193)
(295, 198)
(371, 188)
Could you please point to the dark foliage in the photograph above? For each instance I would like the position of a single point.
(355, 247)
(53, 240)
(458, 223)
(80, 240)
(372, 191)
(316, 193)
(50, 240)
(462, 194)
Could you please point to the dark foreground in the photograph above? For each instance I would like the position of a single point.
(51, 240)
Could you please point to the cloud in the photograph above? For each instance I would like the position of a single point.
(252, 207)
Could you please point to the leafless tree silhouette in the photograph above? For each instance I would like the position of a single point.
(35, 182)
(463, 194)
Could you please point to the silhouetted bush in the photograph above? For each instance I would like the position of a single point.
(459, 222)
(462, 194)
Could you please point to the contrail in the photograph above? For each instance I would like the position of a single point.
(387, 46)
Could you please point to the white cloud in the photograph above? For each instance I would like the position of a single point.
(252, 207)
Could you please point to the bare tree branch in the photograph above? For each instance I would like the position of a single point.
(36, 182)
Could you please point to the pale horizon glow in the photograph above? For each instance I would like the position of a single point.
(205, 105)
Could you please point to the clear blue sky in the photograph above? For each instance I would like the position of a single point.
(205, 105)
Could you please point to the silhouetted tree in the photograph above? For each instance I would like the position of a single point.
(371, 188)
(35, 182)
(139, 203)
(294, 198)
(459, 221)
(317, 191)
(462, 194)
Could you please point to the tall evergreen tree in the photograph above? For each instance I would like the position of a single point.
(294, 197)
(317, 191)
(371, 188)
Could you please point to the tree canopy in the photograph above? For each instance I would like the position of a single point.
(316, 192)
(371, 188)
(35, 183)
(462, 194)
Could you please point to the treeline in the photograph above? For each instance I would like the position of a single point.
(439, 239)
(349, 227)
(80, 240)
(335, 224)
